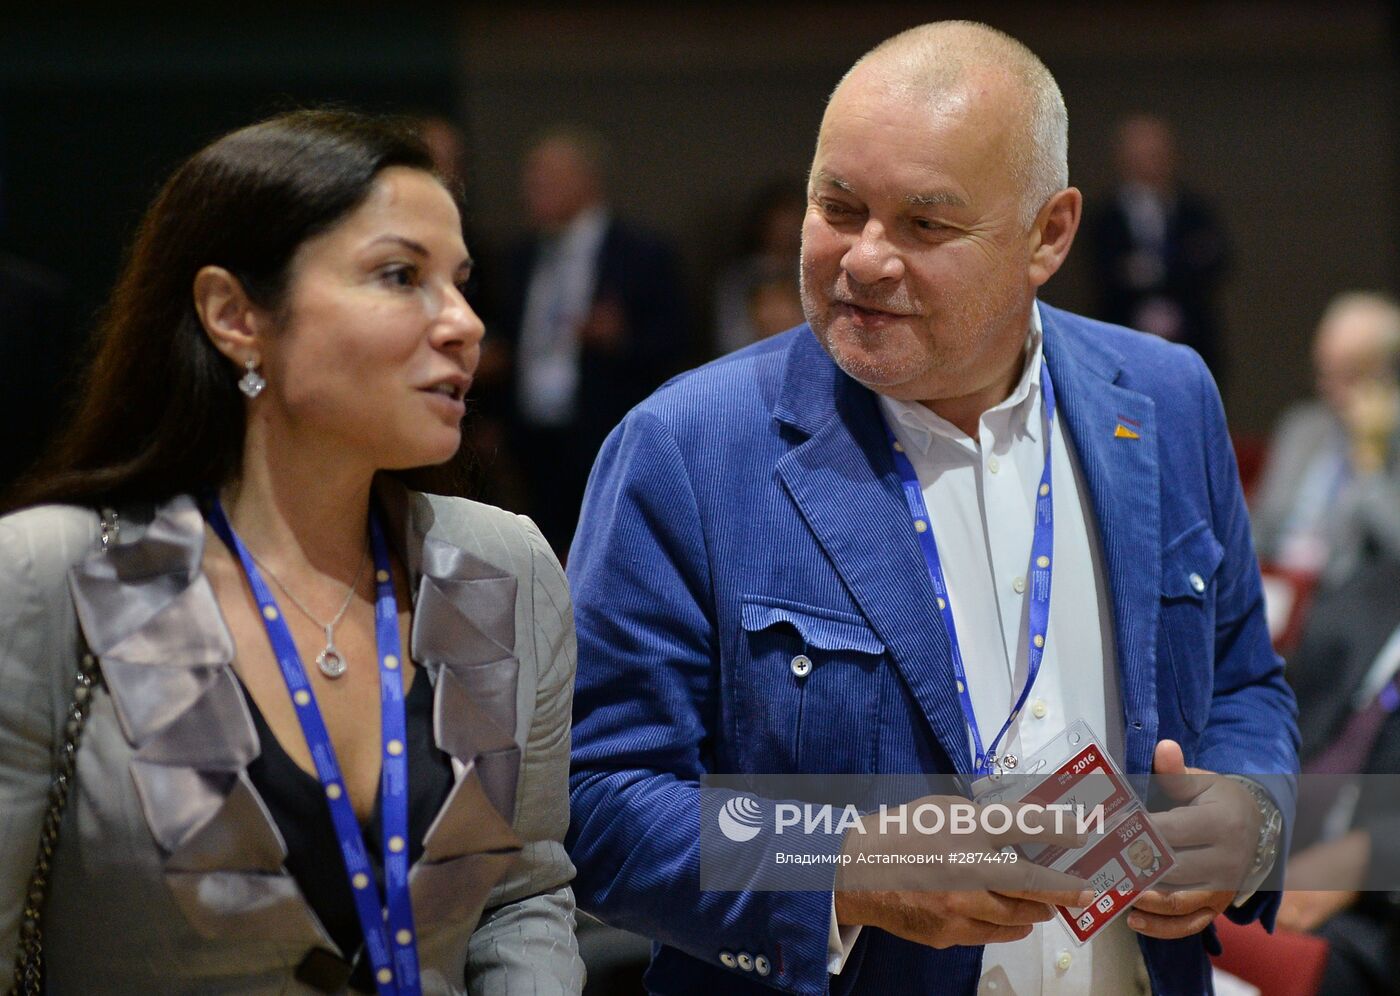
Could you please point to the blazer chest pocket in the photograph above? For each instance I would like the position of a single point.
(1186, 639)
(806, 689)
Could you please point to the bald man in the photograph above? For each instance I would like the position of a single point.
(815, 556)
(1329, 495)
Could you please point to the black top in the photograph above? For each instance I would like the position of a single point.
(298, 806)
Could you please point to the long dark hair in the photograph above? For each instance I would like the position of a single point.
(159, 413)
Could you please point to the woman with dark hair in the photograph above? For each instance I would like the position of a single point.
(326, 714)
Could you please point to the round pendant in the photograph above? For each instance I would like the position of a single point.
(330, 662)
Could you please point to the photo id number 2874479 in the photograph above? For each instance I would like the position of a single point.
(1005, 857)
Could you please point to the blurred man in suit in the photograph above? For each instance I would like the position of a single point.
(1159, 250)
(593, 318)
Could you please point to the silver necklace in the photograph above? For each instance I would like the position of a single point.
(330, 660)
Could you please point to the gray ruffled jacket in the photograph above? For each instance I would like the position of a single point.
(169, 876)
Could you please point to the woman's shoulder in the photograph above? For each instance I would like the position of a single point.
(489, 533)
(46, 540)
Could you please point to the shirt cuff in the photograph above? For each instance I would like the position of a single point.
(839, 941)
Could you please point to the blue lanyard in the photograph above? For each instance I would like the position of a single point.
(986, 761)
(395, 964)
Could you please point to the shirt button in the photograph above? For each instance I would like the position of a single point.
(801, 665)
(993, 464)
(1018, 584)
(761, 966)
(745, 961)
(1039, 709)
(726, 959)
(1062, 962)
(1198, 583)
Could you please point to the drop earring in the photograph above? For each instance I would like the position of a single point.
(252, 382)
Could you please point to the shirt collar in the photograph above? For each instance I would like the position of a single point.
(586, 230)
(1020, 411)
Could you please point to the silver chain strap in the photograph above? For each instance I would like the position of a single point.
(29, 960)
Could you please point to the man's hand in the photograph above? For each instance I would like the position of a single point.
(605, 328)
(1214, 833)
(950, 903)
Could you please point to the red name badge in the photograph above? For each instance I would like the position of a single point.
(1074, 773)
(1129, 859)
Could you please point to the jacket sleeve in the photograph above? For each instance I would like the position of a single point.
(525, 941)
(646, 721)
(37, 667)
(1253, 725)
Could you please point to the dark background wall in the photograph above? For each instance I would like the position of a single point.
(1287, 113)
(98, 105)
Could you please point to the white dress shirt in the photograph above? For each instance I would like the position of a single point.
(980, 495)
(557, 302)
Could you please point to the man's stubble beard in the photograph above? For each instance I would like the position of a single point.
(981, 314)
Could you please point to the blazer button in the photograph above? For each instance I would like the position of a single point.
(745, 961)
(761, 966)
(1198, 583)
(802, 665)
(727, 960)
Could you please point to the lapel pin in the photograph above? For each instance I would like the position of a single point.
(1127, 429)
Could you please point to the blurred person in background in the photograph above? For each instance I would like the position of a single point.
(750, 303)
(447, 147)
(1343, 876)
(278, 381)
(1329, 493)
(594, 314)
(1159, 251)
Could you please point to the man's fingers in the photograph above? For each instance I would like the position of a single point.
(1076, 898)
(1206, 869)
(1006, 911)
(1173, 904)
(1045, 885)
(1189, 826)
(1170, 927)
(1181, 903)
(1169, 771)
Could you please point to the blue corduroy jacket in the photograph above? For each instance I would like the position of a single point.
(760, 488)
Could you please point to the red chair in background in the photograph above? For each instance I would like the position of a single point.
(1250, 453)
(1288, 596)
(1278, 964)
